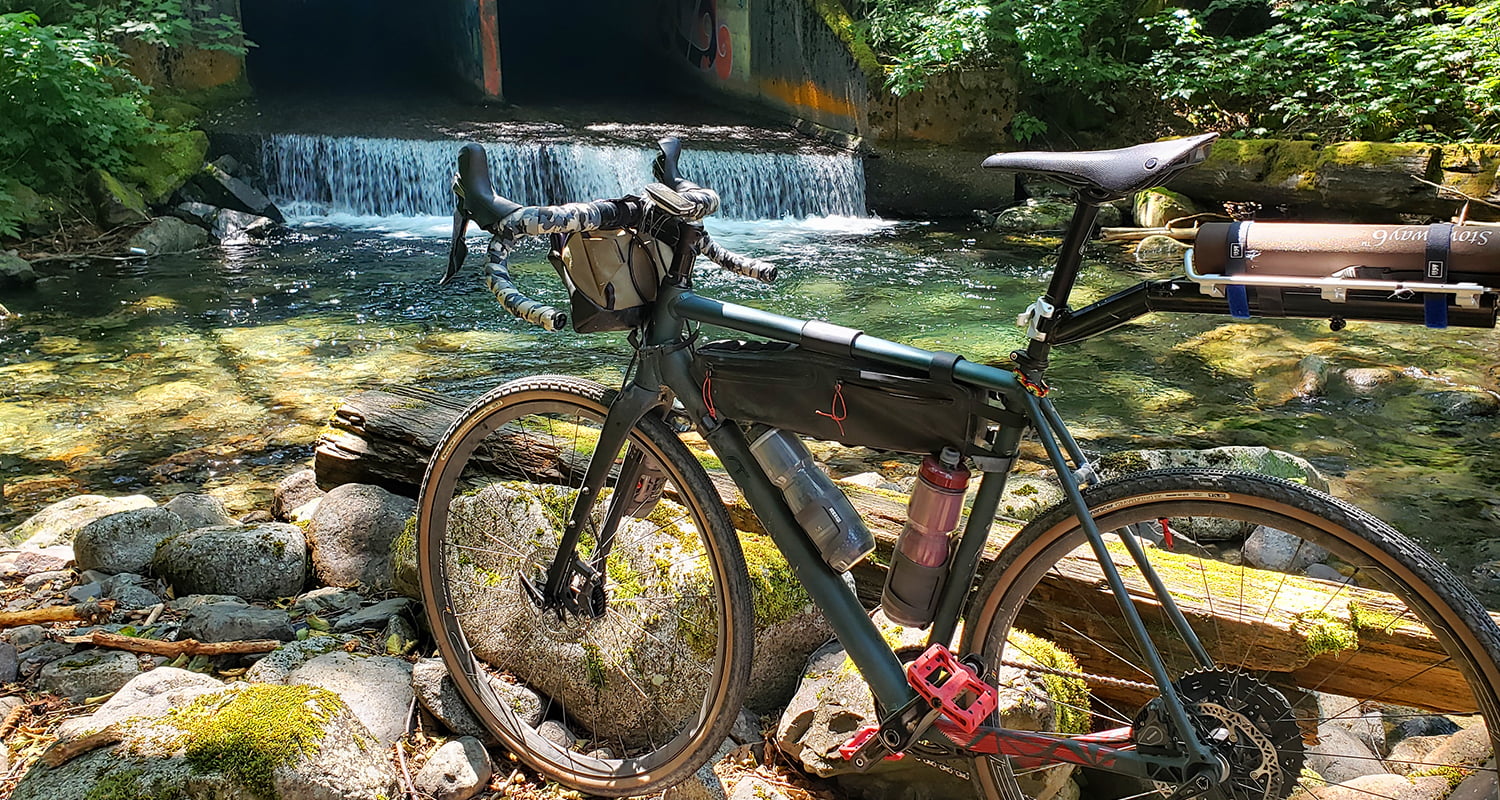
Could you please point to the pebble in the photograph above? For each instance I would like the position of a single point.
(40, 579)
(458, 770)
(328, 601)
(10, 663)
(26, 636)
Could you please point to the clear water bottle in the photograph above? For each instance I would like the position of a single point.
(820, 508)
(919, 564)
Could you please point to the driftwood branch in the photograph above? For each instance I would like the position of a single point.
(190, 647)
(89, 613)
(63, 752)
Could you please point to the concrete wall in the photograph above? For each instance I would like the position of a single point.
(780, 54)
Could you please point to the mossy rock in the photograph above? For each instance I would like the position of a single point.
(165, 162)
(250, 741)
(1154, 208)
(115, 203)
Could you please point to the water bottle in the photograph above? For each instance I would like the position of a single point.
(820, 508)
(919, 564)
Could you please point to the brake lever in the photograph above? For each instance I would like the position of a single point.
(458, 248)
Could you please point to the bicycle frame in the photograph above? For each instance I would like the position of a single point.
(663, 370)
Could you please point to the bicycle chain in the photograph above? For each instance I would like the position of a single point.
(1099, 680)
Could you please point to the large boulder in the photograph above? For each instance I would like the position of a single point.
(279, 663)
(237, 226)
(165, 161)
(249, 740)
(351, 534)
(1035, 216)
(115, 204)
(256, 562)
(125, 541)
(169, 235)
(58, 523)
(376, 688)
(150, 694)
(213, 186)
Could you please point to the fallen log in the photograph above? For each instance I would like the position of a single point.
(90, 613)
(190, 647)
(1317, 634)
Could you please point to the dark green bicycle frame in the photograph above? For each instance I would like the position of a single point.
(664, 360)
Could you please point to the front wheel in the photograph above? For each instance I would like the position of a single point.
(635, 683)
(1323, 625)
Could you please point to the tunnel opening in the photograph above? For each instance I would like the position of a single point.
(592, 50)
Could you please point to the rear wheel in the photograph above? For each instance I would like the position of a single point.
(635, 685)
(1323, 623)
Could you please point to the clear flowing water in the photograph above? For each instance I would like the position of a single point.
(217, 371)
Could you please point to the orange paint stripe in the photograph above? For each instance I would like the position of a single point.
(807, 95)
(489, 46)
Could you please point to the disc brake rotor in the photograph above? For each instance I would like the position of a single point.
(1246, 722)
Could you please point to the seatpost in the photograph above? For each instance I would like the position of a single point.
(1033, 361)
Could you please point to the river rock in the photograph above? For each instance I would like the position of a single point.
(1465, 403)
(237, 226)
(58, 523)
(376, 617)
(294, 491)
(376, 688)
(215, 187)
(89, 673)
(115, 204)
(248, 740)
(149, 694)
(10, 663)
(438, 694)
(199, 510)
(458, 770)
(1366, 380)
(1159, 249)
(230, 622)
(328, 601)
(199, 214)
(1268, 548)
(169, 235)
(25, 636)
(351, 535)
(15, 271)
(1380, 785)
(130, 592)
(125, 541)
(256, 562)
(29, 562)
(279, 663)
(704, 783)
(1340, 755)
(1035, 216)
(1154, 208)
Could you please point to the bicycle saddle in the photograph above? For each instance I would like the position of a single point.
(1111, 174)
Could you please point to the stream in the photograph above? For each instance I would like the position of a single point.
(216, 371)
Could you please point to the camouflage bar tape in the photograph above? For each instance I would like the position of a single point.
(497, 278)
(762, 271)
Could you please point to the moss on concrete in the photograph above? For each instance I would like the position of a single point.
(842, 25)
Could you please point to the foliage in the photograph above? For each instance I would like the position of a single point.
(1360, 69)
(1075, 46)
(68, 102)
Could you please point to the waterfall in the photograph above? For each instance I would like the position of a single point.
(322, 175)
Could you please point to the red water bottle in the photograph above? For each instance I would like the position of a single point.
(919, 564)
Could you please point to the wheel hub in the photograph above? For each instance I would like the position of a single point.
(1247, 724)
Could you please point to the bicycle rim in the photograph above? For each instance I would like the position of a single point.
(636, 697)
(1330, 633)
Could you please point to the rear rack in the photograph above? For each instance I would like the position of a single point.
(1334, 289)
(1338, 300)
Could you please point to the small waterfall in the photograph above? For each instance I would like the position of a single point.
(321, 175)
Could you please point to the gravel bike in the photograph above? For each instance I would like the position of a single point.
(589, 592)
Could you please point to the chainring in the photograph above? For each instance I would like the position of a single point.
(1246, 722)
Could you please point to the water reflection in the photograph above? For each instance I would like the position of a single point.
(198, 371)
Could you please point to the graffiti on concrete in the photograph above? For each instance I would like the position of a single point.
(703, 30)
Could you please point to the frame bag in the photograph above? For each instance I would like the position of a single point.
(836, 399)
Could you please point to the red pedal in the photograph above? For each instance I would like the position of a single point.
(947, 684)
(849, 748)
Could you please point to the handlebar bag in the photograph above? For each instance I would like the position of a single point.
(842, 400)
(612, 276)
